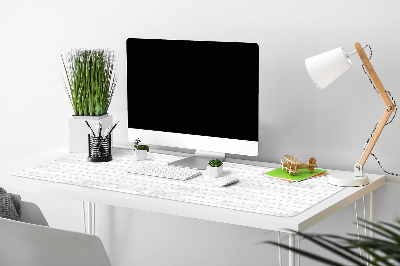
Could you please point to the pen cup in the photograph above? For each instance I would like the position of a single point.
(99, 149)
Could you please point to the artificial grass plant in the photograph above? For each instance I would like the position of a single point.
(91, 80)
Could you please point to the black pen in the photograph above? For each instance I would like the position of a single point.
(100, 128)
(90, 127)
(112, 129)
(106, 132)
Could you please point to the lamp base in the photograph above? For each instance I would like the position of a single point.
(343, 179)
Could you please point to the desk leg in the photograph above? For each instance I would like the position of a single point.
(372, 210)
(89, 217)
(292, 238)
(298, 247)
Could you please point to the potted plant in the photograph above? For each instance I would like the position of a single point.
(214, 168)
(384, 250)
(90, 83)
(140, 150)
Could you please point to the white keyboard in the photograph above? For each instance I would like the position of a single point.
(165, 171)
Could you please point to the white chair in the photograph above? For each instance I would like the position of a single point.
(32, 243)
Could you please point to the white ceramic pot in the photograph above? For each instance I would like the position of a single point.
(141, 155)
(78, 131)
(214, 171)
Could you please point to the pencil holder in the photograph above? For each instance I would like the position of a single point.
(99, 149)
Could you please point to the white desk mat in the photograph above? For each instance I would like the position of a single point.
(255, 192)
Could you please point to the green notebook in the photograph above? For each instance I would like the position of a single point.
(304, 173)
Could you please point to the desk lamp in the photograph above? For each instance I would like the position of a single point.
(323, 70)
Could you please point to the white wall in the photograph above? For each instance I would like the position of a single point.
(295, 117)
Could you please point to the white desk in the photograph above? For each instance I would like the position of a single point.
(297, 223)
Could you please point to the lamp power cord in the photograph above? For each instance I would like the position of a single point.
(387, 123)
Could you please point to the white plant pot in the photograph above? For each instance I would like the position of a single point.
(78, 131)
(214, 171)
(141, 155)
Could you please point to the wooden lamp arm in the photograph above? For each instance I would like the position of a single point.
(371, 71)
(374, 138)
(389, 109)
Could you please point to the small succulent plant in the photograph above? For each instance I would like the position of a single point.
(140, 147)
(215, 163)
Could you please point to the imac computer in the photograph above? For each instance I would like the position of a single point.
(200, 95)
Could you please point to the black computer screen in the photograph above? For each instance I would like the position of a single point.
(193, 87)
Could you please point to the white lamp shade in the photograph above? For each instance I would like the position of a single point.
(326, 67)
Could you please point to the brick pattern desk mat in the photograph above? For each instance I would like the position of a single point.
(255, 192)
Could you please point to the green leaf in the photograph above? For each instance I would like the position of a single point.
(91, 80)
(382, 251)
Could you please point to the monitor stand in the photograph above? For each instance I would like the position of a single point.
(199, 160)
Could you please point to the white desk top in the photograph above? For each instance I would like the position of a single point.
(299, 222)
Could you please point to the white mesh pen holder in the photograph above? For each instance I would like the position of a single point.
(99, 149)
